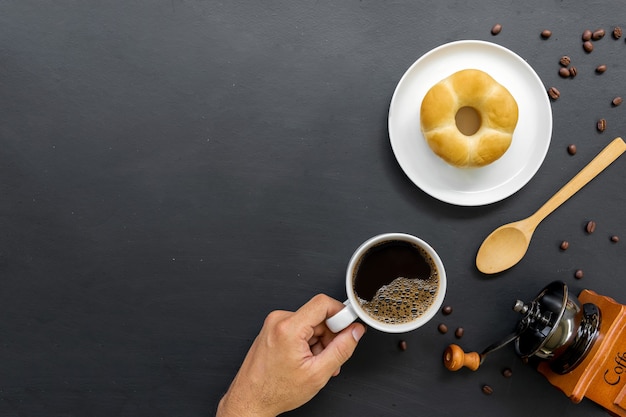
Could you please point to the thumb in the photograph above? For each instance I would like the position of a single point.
(340, 349)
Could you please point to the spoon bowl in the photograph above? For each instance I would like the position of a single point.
(513, 236)
(508, 244)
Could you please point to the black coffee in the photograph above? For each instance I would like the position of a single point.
(396, 281)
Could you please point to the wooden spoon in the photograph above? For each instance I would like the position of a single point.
(506, 245)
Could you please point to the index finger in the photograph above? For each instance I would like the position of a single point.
(318, 309)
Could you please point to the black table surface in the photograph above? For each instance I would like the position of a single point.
(174, 170)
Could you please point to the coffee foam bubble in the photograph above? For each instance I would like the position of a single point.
(403, 300)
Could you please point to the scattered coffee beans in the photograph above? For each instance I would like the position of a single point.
(564, 245)
(507, 372)
(546, 33)
(587, 35)
(459, 332)
(617, 101)
(598, 34)
(447, 310)
(487, 390)
(497, 28)
(573, 71)
(590, 227)
(564, 72)
(587, 46)
(443, 329)
(571, 149)
(565, 60)
(601, 125)
(554, 93)
(403, 345)
(600, 69)
(614, 238)
(578, 274)
(617, 32)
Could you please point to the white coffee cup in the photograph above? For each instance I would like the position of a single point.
(353, 308)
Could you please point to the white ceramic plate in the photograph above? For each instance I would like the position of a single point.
(473, 186)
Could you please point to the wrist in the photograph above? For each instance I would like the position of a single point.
(225, 408)
(231, 407)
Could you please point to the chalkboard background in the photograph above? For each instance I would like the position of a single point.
(173, 170)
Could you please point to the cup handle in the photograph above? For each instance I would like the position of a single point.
(341, 320)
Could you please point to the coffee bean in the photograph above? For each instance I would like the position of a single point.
(617, 32)
(447, 310)
(564, 72)
(601, 125)
(497, 28)
(601, 69)
(443, 329)
(459, 332)
(587, 46)
(487, 390)
(565, 60)
(546, 33)
(587, 35)
(590, 227)
(564, 245)
(578, 274)
(571, 149)
(598, 34)
(554, 93)
(573, 71)
(617, 101)
(403, 345)
(614, 238)
(507, 372)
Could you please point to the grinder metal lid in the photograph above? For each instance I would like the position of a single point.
(556, 328)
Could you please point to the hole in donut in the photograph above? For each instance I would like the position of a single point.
(467, 120)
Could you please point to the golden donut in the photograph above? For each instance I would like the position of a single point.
(494, 109)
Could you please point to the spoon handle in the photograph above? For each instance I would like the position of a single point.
(605, 158)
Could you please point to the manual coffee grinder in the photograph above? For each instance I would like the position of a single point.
(580, 344)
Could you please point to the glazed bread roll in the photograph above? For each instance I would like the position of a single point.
(494, 109)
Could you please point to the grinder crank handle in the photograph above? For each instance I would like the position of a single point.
(454, 358)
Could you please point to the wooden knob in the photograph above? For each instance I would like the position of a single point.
(454, 359)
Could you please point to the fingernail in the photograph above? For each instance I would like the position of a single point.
(358, 332)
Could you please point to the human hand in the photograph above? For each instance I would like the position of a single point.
(290, 361)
